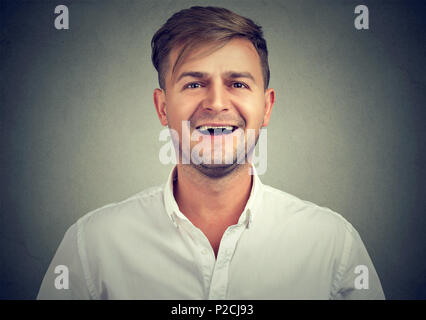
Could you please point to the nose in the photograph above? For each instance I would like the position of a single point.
(216, 98)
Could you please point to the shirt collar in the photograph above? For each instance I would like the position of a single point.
(246, 217)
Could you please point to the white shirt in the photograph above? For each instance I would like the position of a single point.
(145, 248)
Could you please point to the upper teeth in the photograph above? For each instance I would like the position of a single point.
(203, 128)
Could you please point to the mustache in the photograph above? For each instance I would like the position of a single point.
(238, 121)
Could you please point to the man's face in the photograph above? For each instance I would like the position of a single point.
(224, 88)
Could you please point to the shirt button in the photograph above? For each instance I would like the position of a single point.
(204, 251)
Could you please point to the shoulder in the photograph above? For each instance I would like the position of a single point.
(116, 217)
(304, 215)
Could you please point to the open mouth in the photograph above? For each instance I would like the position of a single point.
(216, 130)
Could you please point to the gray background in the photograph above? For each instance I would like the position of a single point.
(79, 129)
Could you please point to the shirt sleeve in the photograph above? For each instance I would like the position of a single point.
(65, 278)
(356, 277)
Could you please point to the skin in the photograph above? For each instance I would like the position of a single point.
(213, 197)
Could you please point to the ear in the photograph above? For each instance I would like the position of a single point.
(160, 105)
(269, 103)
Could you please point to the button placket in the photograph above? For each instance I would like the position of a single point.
(219, 280)
(203, 252)
(206, 258)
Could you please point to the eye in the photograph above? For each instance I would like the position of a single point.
(239, 85)
(193, 85)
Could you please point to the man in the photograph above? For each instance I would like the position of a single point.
(213, 231)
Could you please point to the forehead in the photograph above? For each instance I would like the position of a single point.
(237, 53)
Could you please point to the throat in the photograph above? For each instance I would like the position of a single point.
(210, 201)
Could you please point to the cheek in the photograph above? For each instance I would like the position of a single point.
(179, 110)
(253, 113)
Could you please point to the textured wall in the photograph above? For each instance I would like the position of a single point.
(78, 128)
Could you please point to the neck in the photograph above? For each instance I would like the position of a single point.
(221, 200)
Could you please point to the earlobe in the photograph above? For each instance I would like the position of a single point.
(160, 105)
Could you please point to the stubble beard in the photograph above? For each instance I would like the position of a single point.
(217, 171)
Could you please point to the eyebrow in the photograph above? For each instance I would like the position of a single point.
(228, 74)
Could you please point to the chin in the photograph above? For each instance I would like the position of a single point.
(216, 170)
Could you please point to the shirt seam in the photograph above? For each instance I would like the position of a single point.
(347, 245)
(84, 262)
(147, 193)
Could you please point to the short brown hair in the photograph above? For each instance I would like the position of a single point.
(193, 27)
